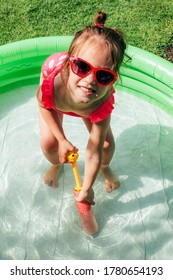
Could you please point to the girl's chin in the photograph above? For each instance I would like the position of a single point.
(83, 97)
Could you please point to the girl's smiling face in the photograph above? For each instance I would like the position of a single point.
(84, 90)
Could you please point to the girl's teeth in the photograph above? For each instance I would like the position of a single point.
(85, 89)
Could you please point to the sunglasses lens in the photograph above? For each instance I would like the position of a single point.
(104, 77)
(80, 68)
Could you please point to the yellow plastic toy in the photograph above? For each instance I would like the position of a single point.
(72, 158)
(84, 208)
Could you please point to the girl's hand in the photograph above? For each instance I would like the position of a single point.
(86, 196)
(64, 147)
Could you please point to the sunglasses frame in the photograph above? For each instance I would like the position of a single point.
(93, 70)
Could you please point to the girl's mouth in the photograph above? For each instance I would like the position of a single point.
(86, 90)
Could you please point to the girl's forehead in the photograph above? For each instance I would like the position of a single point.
(95, 49)
(92, 44)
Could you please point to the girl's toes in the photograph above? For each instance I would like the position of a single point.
(112, 186)
(108, 186)
(116, 185)
(54, 184)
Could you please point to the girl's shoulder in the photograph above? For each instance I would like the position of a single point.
(53, 62)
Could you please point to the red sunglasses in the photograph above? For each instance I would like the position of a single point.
(82, 68)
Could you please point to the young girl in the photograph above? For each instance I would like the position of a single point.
(80, 83)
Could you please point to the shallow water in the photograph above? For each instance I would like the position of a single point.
(38, 222)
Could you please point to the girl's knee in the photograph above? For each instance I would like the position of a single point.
(109, 145)
(109, 142)
(49, 146)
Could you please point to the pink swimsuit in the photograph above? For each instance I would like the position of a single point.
(51, 67)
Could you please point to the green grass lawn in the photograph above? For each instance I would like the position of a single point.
(147, 24)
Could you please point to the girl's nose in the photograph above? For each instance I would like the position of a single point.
(90, 79)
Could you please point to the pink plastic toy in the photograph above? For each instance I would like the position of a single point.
(84, 208)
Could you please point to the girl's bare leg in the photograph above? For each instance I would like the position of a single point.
(111, 180)
(49, 146)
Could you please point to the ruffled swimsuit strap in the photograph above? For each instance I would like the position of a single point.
(51, 67)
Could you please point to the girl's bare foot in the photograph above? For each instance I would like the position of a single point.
(50, 176)
(111, 181)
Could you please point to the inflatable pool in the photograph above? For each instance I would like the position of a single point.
(136, 221)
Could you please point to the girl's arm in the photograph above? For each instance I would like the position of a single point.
(93, 157)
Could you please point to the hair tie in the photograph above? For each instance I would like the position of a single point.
(99, 24)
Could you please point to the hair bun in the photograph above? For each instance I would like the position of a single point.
(100, 18)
